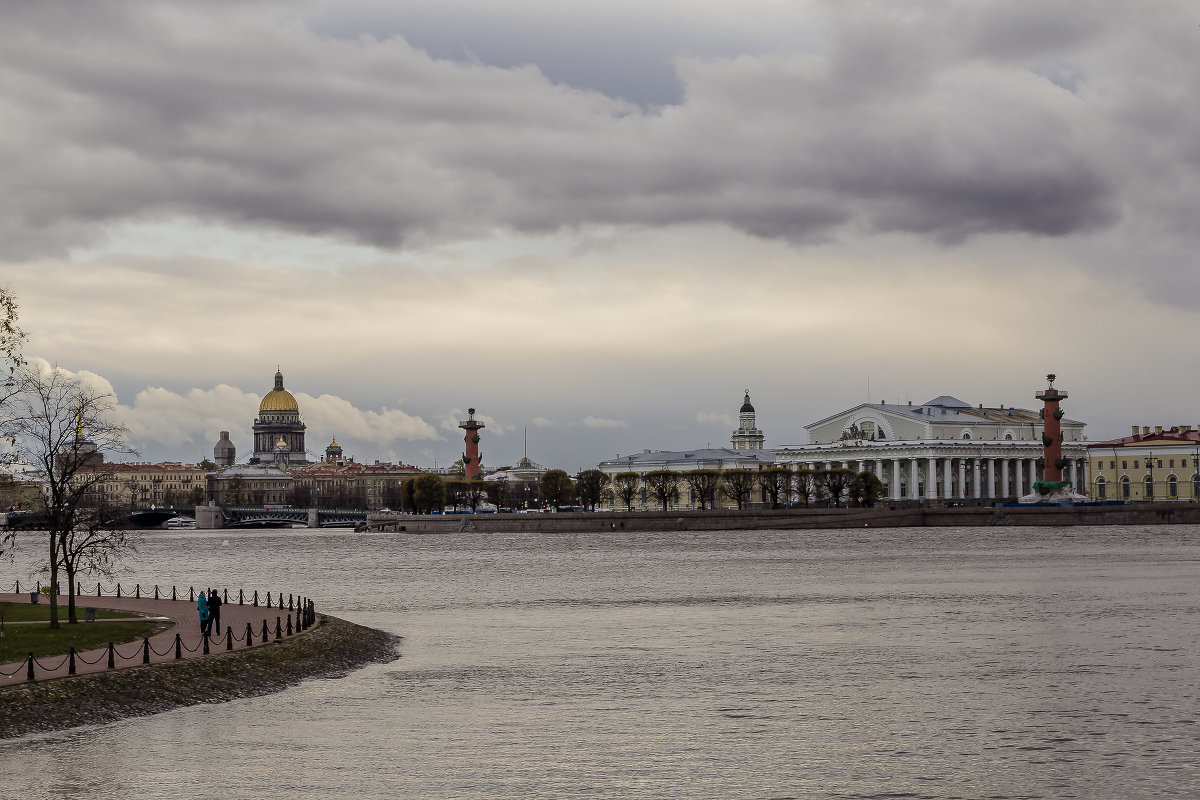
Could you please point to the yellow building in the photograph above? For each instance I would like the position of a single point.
(1149, 464)
(143, 485)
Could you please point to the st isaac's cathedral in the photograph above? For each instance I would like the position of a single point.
(278, 431)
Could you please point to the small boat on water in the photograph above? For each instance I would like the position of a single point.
(181, 522)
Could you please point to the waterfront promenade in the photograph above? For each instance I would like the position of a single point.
(182, 627)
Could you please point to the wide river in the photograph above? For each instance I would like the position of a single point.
(923, 663)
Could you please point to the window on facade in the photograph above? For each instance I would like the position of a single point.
(1196, 486)
(1008, 437)
(1101, 488)
(1149, 487)
(1124, 465)
(966, 435)
(1125, 488)
(1172, 463)
(1158, 462)
(868, 430)
(1172, 486)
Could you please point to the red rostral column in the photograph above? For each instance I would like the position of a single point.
(1052, 430)
(471, 454)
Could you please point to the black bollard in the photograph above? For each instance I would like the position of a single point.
(173, 597)
(279, 628)
(266, 634)
(156, 591)
(29, 672)
(289, 602)
(241, 598)
(228, 637)
(97, 588)
(299, 621)
(137, 591)
(178, 647)
(191, 594)
(225, 599)
(111, 662)
(256, 598)
(71, 668)
(78, 588)
(118, 590)
(206, 644)
(249, 635)
(145, 650)
(289, 627)
(268, 599)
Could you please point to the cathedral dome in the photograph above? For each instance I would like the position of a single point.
(746, 407)
(278, 399)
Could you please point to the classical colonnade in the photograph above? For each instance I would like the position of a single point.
(952, 477)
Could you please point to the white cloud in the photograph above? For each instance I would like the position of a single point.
(600, 422)
(713, 417)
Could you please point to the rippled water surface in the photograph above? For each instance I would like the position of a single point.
(886, 663)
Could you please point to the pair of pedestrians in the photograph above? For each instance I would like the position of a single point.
(208, 604)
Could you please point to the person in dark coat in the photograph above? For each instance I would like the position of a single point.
(202, 609)
(214, 612)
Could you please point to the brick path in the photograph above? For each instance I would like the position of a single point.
(185, 622)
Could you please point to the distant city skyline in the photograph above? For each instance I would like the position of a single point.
(601, 221)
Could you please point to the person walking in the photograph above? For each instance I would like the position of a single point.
(202, 609)
(214, 612)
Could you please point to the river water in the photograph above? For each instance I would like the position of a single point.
(923, 663)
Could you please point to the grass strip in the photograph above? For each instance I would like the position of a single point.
(42, 640)
(28, 612)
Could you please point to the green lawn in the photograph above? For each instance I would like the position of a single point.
(21, 639)
(28, 612)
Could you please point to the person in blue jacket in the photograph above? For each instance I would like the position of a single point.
(202, 608)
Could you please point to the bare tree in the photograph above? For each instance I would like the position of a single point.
(805, 481)
(626, 485)
(834, 484)
(738, 486)
(61, 427)
(94, 544)
(777, 483)
(703, 484)
(591, 483)
(663, 486)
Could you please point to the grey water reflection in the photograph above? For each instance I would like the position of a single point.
(900, 663)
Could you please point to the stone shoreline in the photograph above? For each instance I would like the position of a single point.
(333, 647)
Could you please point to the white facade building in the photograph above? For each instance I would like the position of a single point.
(943, 450)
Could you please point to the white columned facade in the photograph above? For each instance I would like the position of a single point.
(992, 478)
(947, 482)
(895, 479)
(975, 478)
(914, 485)
(1018, 477)
(962, 479)
(931, 478)
(1004, 477)
(1032, 473)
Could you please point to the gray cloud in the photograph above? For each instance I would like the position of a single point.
(942, 120)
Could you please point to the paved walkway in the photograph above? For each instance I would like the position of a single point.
(185, 622)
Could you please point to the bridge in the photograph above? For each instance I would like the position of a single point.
(279, 517)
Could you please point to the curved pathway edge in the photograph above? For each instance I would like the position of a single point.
(332, 648)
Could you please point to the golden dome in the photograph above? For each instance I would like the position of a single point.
(278, 399)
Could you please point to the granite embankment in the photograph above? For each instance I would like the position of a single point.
(885, 516)
(331, 648)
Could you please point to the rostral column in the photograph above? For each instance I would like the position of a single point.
(471, 439)
(1052, 437)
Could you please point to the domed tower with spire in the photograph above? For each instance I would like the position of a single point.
(747, 437)
(333, 453)
(279, 420)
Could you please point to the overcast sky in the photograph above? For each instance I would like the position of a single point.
(601, 221)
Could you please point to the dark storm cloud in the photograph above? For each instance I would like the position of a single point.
(945, 120)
